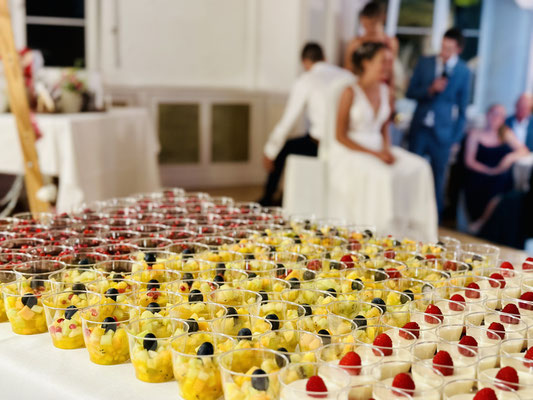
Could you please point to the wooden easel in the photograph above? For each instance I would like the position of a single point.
(21, 110)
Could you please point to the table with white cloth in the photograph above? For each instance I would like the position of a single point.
(522, 169)
(96, 156)
(32, 368)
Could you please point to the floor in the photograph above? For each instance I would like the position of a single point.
(252, 193)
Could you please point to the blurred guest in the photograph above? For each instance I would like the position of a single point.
(370, 181)
(372, 21)
(489, 156)
(522, 122)
(308, 92)
(440, 85)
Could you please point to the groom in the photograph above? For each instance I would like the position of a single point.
(440, 85)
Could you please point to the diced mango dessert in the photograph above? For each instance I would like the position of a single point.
(195, 363)
(104, 332)
(150, 347)
(63, 316)
(25, 313)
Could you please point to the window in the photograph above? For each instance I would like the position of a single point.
(420, 24)
(57, 29)
(414, 30)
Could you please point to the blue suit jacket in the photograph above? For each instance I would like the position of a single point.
(529, 138)
(448, 127)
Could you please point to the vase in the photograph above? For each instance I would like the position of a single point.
(71, 102)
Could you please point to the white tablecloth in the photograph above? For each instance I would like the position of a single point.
(95, 155)
(522, 172)
(31, 368)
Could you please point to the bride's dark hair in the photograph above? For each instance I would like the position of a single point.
(367, 51)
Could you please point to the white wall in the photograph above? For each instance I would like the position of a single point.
(176, 42)
(245, 44)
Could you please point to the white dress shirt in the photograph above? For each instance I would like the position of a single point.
(520, 129)
(429, 121)
(308, 92)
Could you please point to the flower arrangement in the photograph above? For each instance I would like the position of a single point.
(70, 82)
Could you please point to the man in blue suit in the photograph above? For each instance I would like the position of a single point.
(440, 85)
(522, 122)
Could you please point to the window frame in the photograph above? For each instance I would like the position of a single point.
(90, 22)
(441, 15)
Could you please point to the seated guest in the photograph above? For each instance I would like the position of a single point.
(308, 92)
(370, 181)
(522, 122)
(489, 155)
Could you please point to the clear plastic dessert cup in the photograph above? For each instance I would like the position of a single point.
(251, 374)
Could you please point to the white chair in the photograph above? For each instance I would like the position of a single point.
(305, 186)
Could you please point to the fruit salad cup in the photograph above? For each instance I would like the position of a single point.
(358, 360)
(244, 301)
(150, 347)
(7, 283)
(251, 374)
(117, 269)
(256, 267)
(312, 380)
(314, 301)
(77, 278)
(196, 367)
(480, 255)
(298, 346)
(216, 242)
(219, 274)
(203, 313)
(154, 303)
(156, 259)
(242, 327)
(83, 259)
(387, 300)
(362, 313)
(371, 277)
(63, 316)
(341, 288)
(105, 334)
(330, 328)
(433, 276)
(115, 290)
(269, 288)
(218, 256)
(164, 279)
(281, 314)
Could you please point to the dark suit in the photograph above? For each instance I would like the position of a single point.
(436, 141)
(529, 137)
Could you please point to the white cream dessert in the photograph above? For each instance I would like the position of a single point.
(422, 391)
(459, 367)
(522, 388)
(297, 390)
(450, 315)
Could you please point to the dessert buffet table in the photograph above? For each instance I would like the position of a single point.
(95, 155)
(31, 367)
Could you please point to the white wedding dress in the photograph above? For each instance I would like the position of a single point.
(398, 198)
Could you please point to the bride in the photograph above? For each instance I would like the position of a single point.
(371, 182)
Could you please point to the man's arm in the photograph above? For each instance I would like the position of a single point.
(418, 90)
(462, 103)
(293, 110)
